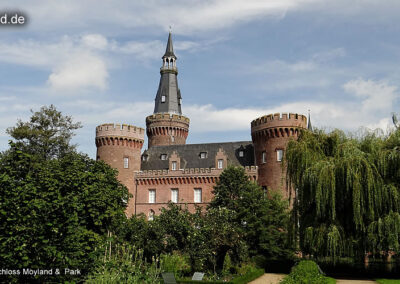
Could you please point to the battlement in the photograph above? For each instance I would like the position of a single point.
(120, 131)
(187, 172)
(167, 116)
(278, 125)
(279, 118)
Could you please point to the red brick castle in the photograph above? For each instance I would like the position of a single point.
(171, 170)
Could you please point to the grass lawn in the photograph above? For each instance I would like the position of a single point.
(331, 280)
(387, 281)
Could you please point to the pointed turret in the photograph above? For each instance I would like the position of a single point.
(169, 51)
(167, 125)
(309, 126)
(168, 98)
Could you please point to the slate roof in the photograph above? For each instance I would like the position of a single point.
(190, 155)
(168, 87)
(169, 51)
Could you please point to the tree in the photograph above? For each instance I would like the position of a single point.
(348, 192)
(177, 225)
(55, 212)
(262, 221)
(47, 134)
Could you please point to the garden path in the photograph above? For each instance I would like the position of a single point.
(268, 278)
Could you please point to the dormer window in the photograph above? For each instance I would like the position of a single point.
(144, 158)
(163, 99)
(163, 157)
(203, 155)
(241, 153)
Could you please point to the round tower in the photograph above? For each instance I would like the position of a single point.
(119, 145)
(270, 135)
(167, 129)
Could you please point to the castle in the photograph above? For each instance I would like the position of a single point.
(171, 170)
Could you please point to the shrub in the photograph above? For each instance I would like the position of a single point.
(251, 274)
(306, 272)
(176, 263)
(125, 264)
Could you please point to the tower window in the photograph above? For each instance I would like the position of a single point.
(279, 155)
(220, 164)
(163, 99)
(197, 195)
(174, 195)
(264, 157)
(241, 153)
(203, 155)
(173, 166)
(180, 101)
(152, 196)
(163, 157)
(126, 162)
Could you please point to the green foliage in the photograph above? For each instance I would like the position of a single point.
(124, 264)
(247, 273)
(227, 268)
(47, 134)
(54, 212)
(348, 199)
(177, 225)
(261, 222)
(387, 281)
(306, 272)
(176, 263)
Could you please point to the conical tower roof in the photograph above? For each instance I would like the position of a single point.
(169, 51)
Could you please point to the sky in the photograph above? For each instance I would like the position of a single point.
(98, 61)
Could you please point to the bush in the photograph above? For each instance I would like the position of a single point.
(176, 263)
(124, 264)
(251, 274)
(306, 272)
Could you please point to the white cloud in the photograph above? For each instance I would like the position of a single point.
(184, 16)
(80, 71)
(375, 95)
(96, 41)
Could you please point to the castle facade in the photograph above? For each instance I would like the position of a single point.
(171, 170)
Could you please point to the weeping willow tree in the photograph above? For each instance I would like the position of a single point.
(348, 193)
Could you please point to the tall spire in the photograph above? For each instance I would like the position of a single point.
(169, 51)
(168, 98)
(309, 126)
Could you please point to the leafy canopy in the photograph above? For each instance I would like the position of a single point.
(47, 134)
(56, 205)
(348, 198)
